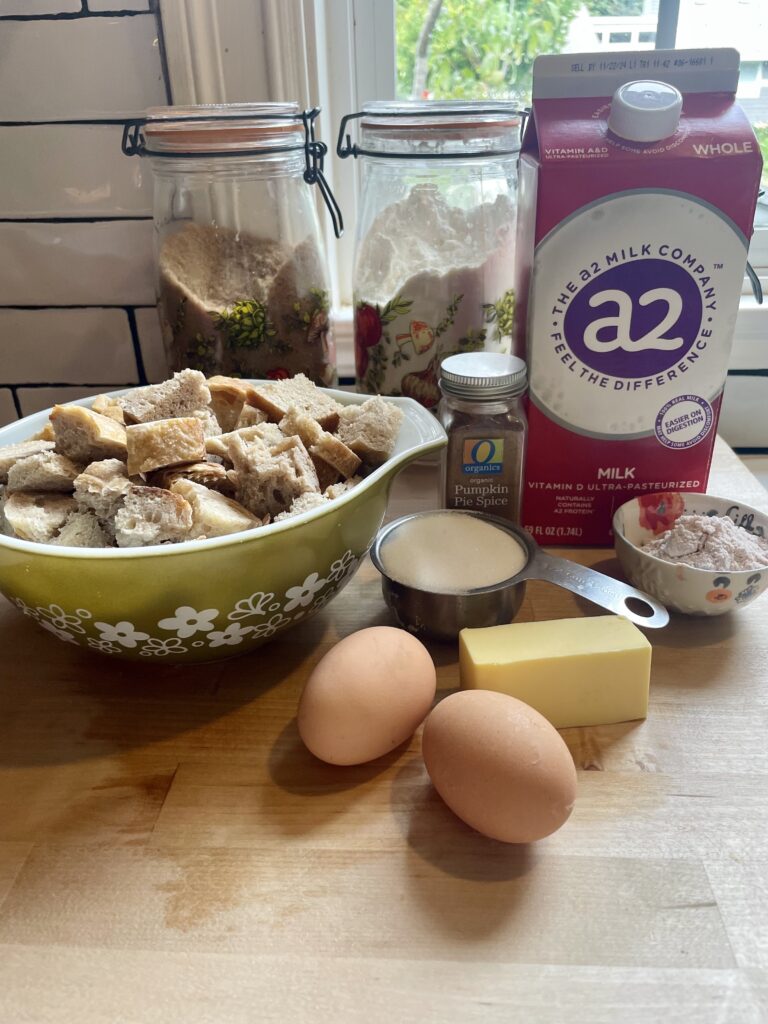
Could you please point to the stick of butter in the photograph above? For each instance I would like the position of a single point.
(590, 671)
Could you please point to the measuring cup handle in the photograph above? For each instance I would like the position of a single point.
(602, 590)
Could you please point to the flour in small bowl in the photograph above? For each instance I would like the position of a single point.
(710, 542)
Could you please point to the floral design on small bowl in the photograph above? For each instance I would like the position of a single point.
(659, 512)
(720, 593)
(683, 588)
(750, 590)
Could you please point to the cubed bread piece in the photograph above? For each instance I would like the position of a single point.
(303, 503)
(37, 517)
(208, 419)
(297, 422)
(305, 469)
(269, 483)
(267, 433)
(228, 396)
(209, 474)
(46, 434)
(106, 406)
(101, 487)
(270, 433)
(250, 416)
(11, 453)
(326, 473)
(181, 396)
(44, 472)
(83, 530)
(323, 446)
(86, 436)
(5, 528)
(213, 515)
(336, 490)
(276, 397)
(152, 515)
(370, 429)
(164, 443)
(333, 451)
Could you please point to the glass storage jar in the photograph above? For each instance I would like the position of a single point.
(241, 276)
(482, 412)
(435, 239)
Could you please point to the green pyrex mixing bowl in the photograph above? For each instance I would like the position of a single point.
(208, 599)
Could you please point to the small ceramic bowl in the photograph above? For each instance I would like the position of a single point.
(202, 600)
(681, 587)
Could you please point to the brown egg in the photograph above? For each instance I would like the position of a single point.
(366, 696)
(499, 765)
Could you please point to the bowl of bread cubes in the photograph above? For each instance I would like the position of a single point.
(198, 518)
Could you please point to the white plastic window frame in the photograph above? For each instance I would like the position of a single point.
(338, 54)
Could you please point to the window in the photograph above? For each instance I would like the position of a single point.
(463, 50)
(341, 53)
(466, 52)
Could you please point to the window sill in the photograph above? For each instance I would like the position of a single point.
(750, 342)
(344, 336)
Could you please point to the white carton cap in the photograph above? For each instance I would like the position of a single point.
(645, 111)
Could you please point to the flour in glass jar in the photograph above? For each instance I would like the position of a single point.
(432, 277)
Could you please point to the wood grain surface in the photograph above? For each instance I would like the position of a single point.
(169, 851)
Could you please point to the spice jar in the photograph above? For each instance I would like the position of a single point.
(241, 279)
(434, 262)
(482, 413)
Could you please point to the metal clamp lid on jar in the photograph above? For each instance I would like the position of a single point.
(268, 119)
(440, 114)
(483, 375)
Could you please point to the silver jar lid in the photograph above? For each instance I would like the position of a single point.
(483, 375)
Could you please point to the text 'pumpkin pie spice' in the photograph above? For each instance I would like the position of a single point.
(481, 410)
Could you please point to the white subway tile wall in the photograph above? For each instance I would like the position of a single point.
(87, 67)
(115, 5)
(85, 346)
(37, 7)
(71, 171)
(151, 341)
(72, 264)
(7, 408)
(77, 314)
(34, 399)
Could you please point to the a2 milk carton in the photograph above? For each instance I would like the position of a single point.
(634, 222)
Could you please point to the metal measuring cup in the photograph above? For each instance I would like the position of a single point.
(441, 616)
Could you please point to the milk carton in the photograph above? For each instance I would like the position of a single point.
(635, 217)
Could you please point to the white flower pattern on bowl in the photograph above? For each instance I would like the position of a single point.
(103, 646)
(342, 567)
(233, 634)
(161, 648)
(256, 604)
(59, 619)
(62, 634)
(303, 595)
(123, 633)
(113, 638)
(185, 621)
(270, 627)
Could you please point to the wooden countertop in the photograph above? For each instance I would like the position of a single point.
(169, 852)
